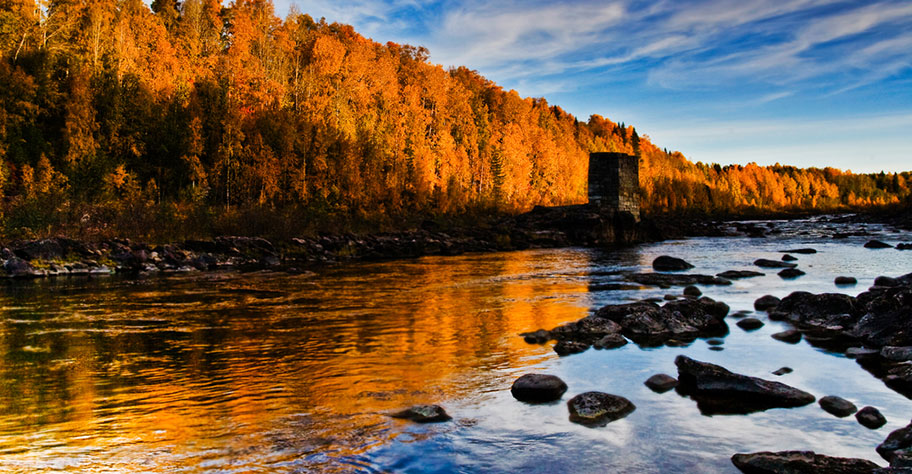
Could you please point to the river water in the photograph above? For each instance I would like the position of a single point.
(270, 372)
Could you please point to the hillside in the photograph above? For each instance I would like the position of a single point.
(196, 118)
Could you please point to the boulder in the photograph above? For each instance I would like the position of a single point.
(789, 258)
(790, 336)
(805, 251)
(737, 274)
(885, 281)
(870, 418)
(650, 324)
(845, 280)
(661, 383)
(692, 291)
(827, 314)
(750, 324)
(538, 388)
(799, 462)
(598, 408)
(423, 414)
(783, 371)
(588, 329)
(666, 263)
(766, 302)
(898, 443)
(537, 337)
(897, 354)
(790, 273)
(837, 406)
(904, 246)
(719, 391)
(766, 263)
(18, 268)
(876, 244)
(610, 341)
(564, 348)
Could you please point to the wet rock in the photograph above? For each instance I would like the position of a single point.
(845, 280)
(715, 342)
(661, 383)
(904, 246)
(650, 324)
(611, 341)
(790, 336)
(837, 406)
(766, 302)
(859, 352)
(790, 273)
(692, 291)
(789, 258)
(887, 282)
(666, 280)
(766, 263)
(670, 297)
(716, 348)
(564, 348)
(825, 315)
(876, 244)
(885, 321)
(799, 462)
(870, 418)
(18, 268)
(666, 263)
(719, 391)
(738, 274)
(750, 324)
(537, 337)
(588, 329)
(538, 388)
(805, 251)
(898, 354)
(598, 408)
(782, 371)
(898, 443)
(423, 414)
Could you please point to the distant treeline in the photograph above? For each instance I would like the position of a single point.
(194, 118)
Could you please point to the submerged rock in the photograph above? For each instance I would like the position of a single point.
(837, 406)
(538, 388)
(876, 244)
(805, 251)
(870, 418)
(799, 462)
(665, 280)
(661, 383)
(598, 408)
(766, 263)
(666, 263)
(424, 414)
(537, 337)
(719, 391)
(737, 274)
(766, 302)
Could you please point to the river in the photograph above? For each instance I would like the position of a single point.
(271, 372)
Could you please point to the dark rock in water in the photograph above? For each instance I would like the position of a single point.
(899, 378)
(827, 315)
(424, 414)
(904, 246)
(844, 280)
(665, 280)
(661, 383)
(670, 297)
(598, 409)
(876, 244)
(716, 348)
(737, 274)
(782, 371)
(537, 337)
(665, 263)
(715, 342)
(766, 302)
(790, 273)
(898, 354)
(789, 258)
(805, 251)
(538, 388)
(886, 319)
(750, 324)
(766, 263)
(588, 329)
(570, 347)
(611, 341)
(790, 336)
(692, 291)
(719, 391)
(17, 267)
(870, 418)
(740, 314)
(898, 443)
(837, 406)
(886, 281)
(860, 352)
(799, 462)
(648, 323)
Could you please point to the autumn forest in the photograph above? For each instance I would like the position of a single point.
(198, 118)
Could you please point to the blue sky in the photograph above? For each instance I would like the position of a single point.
(801, 82)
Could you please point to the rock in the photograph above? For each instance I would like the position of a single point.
(538, 388)
(790, 336)
(661, 383)
(845, 280)
(537, 337)
(588, 329)
(715, 342)
(887, 282)
(716, 348)
(876, 244)
(904, 246)
(805, 251)
(665, 263)
(766, 302)
(859, 352)
(692, 291)
(789, 258)
(827, 315)
(799, 462)
(665, 280)
(737, 274)
(765, 263)
(647, 323)
(782, 371)
(423, 414)
(750, 324)
(790, 273)
(611, 341)
(898, 354)
(598, 409)
(719, 391)
(898, 443)
(18, 268)
(670, 297)
(837, 406)
(570, 347)
(870, 418)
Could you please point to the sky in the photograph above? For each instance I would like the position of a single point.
(799, 82)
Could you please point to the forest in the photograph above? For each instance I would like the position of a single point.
(194, 118)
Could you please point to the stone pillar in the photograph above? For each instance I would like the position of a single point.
(614, 179)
